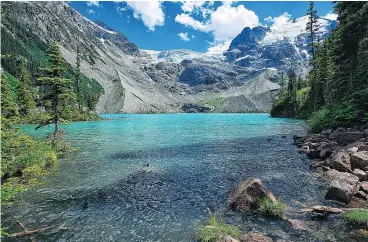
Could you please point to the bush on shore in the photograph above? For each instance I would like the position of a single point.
(272, 208)
(356, 216)
(216, 228)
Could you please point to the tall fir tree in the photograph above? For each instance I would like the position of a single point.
(312, 29)
(282, 83)
(25, 97)
(59, 89)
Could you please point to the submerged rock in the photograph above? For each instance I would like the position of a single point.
(254, 237)
(248, 194)
(298, 224)
(227, 238)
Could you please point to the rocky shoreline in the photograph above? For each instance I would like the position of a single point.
(340, 156)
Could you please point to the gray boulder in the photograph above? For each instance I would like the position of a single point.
(248, 194)
(341, 161)
(362, 175)
(342, 186)
(359, 159)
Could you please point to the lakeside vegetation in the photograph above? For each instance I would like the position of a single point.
(55, 94)
(335, 92)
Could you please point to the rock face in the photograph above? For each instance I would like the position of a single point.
(359, 159)
(248, 194)
(138, 81)
(342, 186)
(267, 47)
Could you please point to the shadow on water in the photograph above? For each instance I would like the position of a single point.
(182, 185)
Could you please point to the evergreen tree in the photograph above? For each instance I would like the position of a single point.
(291, 94)
(24, 90)
(312, 28)
(282, 83)
(92, 101)
(59, 89)
(77, 79)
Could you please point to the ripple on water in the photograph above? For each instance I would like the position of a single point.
(194, 162)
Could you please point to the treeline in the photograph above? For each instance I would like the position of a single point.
(335, 92)
(50, 96)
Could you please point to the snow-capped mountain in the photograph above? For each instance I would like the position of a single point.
(177, 56)
(278, 46)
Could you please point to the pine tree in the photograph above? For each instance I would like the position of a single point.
(24, 91)
(59, 89)
(312, 29)
(282, 83)
(77, 79)
(291, 94)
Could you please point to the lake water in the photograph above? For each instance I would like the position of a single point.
(105, 191)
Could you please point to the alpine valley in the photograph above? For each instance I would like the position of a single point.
(244, 79)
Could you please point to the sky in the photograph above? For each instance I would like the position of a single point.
(204, 26)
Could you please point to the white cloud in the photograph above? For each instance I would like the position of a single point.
(225, 22)
(269, 19)
(90, 11)
(219, 48)
(189, 6)
(284, 26)
(188, 21)
(184, 36)
(330, 16)
(93, 3)
(150, 12)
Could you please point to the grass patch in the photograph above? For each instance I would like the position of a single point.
(356, 216)
(270, 208)
(215, 228)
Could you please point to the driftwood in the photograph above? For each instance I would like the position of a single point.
(30, 232)
(26, 231)
(328, 210)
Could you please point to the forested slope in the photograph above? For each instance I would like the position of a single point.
(336, 90)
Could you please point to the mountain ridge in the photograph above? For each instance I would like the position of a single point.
(144, 81)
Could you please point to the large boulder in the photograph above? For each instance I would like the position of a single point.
(254, 237)
(359, 159)
(341, 161)
(326, 149)
(248, 194)
(342, 186)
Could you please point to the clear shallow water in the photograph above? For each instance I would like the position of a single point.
(194, 162)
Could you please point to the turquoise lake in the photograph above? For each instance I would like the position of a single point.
(156, 177)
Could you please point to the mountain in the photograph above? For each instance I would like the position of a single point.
(141, 81)
(280, 47)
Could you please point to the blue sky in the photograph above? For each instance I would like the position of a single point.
(199, 26)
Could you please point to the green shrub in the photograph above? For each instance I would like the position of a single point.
(356, 216)
(215, 228)
(319, 120)
(271, 208)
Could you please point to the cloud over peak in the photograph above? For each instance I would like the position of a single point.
(150, 12)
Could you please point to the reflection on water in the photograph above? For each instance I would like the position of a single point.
(156, 177)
